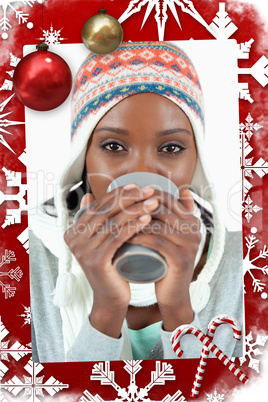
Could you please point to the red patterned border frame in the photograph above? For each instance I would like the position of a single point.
(23, 380)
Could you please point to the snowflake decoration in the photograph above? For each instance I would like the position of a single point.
(259, 71)
(246, 131)
(14, 180)
(6, 123)
(23, 158)
(161, 7)
(52, 36)
(17, 351)
(7, 258)
(33, 385)
(249, 127)
(215, 397)
(163, 372)
(249, 265)
(244, 93)
(248, 208)
(222, 26)
(243, 53)
(252, 350)
(8, 84)
(19, 14)
(9, 291)
(244, 49)
(26, 315)
(24, 239)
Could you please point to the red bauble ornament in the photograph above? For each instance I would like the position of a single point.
(42, 80)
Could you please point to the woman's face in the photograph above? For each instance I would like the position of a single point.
(142, 133)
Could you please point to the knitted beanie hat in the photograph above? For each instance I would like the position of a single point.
(103, 81)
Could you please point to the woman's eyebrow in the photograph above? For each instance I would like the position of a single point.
(161, 133)
(173, 131)
(116, 130)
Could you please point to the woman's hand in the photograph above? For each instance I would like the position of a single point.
(109, 221)
(175, 233)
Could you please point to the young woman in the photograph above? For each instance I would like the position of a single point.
(139, 109)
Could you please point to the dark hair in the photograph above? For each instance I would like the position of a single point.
(73, 198)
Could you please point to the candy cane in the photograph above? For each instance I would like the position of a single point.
(188, 329)
(212, 326)
(224, 319)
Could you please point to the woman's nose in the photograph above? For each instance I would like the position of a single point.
(145, 164)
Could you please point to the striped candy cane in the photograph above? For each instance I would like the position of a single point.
(213, 325)
(189, 329)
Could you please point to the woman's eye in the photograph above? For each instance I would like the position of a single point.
(172, 148)
(113, 147)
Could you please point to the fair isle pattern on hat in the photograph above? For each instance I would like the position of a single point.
(135, 68)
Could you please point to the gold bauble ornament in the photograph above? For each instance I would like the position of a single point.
(102, 34)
